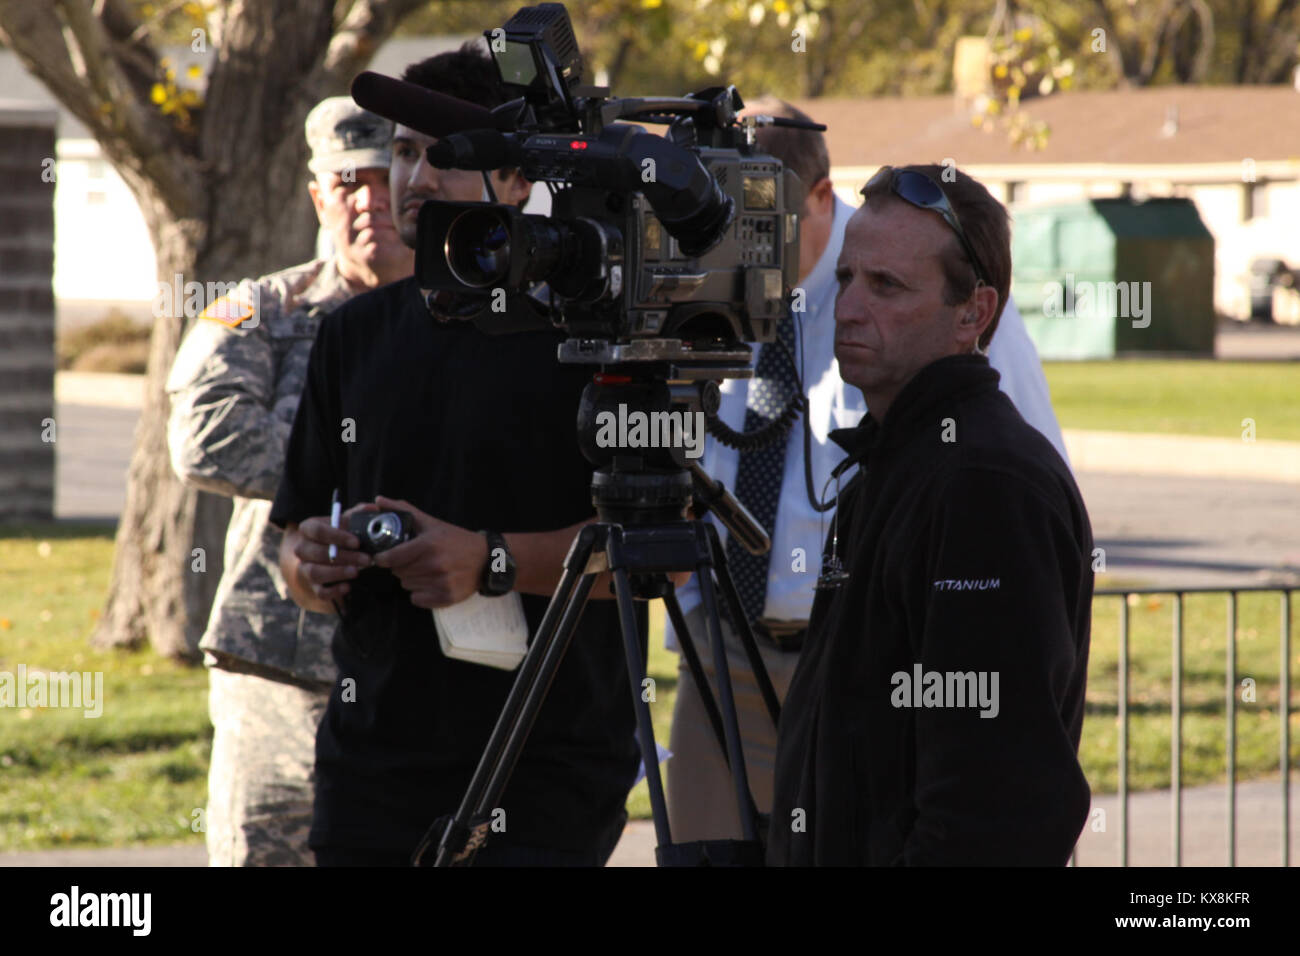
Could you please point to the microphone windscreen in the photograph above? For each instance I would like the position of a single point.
(492, 149)
(474, 149)
(434, 114)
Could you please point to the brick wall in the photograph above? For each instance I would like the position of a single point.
(26, 314)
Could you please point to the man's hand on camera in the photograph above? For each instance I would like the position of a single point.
(328, 580)
(442, 565)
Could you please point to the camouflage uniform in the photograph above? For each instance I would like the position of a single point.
(235, 388)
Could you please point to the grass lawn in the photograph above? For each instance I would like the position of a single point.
(1178, 397)
(1204, 725)
(134, 774)
(137, 774)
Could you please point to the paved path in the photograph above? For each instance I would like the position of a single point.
(1205, 834)
(92, 454)
(1179, 511)
(1205, 827)
(1186, 532)
(1257, 340)
(636, 848)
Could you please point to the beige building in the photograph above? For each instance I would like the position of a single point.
(1235, 151)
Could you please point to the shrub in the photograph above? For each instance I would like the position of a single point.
(116, 343)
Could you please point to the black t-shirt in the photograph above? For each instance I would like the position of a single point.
(479, 431)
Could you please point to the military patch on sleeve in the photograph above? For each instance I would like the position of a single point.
(231, 310)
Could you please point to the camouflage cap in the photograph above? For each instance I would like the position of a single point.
(342, 135)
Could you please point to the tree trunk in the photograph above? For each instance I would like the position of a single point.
(625, 47)
(1274, 56)
(819, 67)
(170, 540)
(1246, 27)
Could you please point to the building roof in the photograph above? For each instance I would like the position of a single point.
(1213, 124)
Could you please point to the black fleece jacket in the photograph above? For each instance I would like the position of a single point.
(934, 717)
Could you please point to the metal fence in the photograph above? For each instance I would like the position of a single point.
(1230, 699)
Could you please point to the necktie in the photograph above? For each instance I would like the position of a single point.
(759, 473)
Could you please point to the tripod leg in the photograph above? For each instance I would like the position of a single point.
(743, 630)
(482, 792)
(731, 726)
(701, 682)
(696, 667)
(517, 735)
(636, 674)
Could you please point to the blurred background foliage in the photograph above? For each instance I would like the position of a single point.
(906, 47)
(811, 48)
(875, 47)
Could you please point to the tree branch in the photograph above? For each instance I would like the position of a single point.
(819, 72)
(1277, 58)
(144, 29)
(1167, 22)
(1201, 64)
(84, 36)
(368, 24)
(1284, 8)
(1114, 42)
(139, 141)
(137, 55)
(625, 47)
(999, 18)
(39, 44)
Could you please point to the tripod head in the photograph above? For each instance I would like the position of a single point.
(643, 427)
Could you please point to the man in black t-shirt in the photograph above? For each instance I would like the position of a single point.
(466, 431)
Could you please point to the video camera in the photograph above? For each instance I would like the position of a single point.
(664, 257)
(676, 248)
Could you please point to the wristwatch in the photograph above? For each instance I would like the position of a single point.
(496, 580)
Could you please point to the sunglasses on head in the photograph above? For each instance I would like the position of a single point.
(924, 193)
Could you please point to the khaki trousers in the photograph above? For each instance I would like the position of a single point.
(701, 797)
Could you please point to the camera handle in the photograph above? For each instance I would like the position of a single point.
(640, 559)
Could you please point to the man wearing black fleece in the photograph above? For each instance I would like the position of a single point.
(935, 714)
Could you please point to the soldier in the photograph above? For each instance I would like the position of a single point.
(235, 388)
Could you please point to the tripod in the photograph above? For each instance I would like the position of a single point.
(642, 537)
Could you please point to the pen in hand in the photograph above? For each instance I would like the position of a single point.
(335, 512)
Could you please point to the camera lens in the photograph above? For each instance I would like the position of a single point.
(478, 248)
(383, 530)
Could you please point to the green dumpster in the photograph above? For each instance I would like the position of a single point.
(1101, 277)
